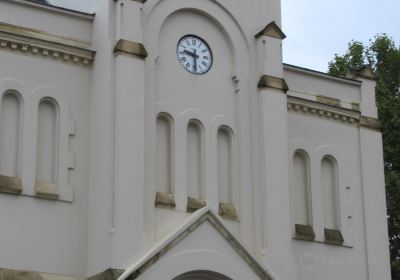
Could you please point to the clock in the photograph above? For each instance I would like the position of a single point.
(194, 54)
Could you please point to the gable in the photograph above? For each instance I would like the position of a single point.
(203, 243)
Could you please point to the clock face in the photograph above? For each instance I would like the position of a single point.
(194, 54)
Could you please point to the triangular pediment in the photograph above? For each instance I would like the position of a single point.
(272, 30)
(194, 227)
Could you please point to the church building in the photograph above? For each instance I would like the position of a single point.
(166, 139)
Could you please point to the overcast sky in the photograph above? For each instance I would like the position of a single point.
(317, 29)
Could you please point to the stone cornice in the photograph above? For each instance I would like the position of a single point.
(330, 111)
(371, 123)
(55, 9)
(130, 48)
(34, 42)
(319, 109)
(272, 82)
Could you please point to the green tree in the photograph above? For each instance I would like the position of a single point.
(382, 54)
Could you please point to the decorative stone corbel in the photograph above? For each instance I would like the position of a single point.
(227, 210)
(273, 82)
(304, 232)
(333, 237)
(46, 190)
(129, 47)
(165, 200)
(10, 184)
(194, 204)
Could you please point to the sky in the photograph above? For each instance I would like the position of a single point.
(318, 29)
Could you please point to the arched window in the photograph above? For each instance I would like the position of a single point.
(202, 275)
(195, 160)
(47, 142)
(225, 165)
(164, 151)
(329, 175)
(301, 194)
(10, 137)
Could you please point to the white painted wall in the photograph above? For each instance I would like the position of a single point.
(54, 230)
(114, 103)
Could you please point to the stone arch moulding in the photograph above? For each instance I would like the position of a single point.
(343, 190)
(11, 129)
(195, 162)
(164, 170)
(66, 128)
(301, 193)
(156, 13)
(303, 145)
(14, 184)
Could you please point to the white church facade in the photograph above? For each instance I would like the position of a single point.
(166, 139)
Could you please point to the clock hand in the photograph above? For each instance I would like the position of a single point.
(190, 53)
(195, 61)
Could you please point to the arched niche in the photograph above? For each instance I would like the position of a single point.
(164, 153)
(225, 164)
(330, 192)
(10, 134)
(195, 159)
(301, 189)
(202, 275)
(47, 142)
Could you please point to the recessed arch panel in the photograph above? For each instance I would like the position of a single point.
(10, 132)
(195, 160)
(164, 151)
(329, 176)
(47, 141)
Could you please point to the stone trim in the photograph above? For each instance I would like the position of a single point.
(194, 204)
(365, 72)
(304, 232)
(109, 274)
(272, 82)
(10, 184)
(322, 75)
(323, 110)
(165, 200)
(227, 210)
(333, 237)
(355, 106)
(271, 30)
(46, 190)
(371, 123)
(57, 9)
(192, 226)
(25, 40)
(328, 100)
(14, 274)
(129, 47)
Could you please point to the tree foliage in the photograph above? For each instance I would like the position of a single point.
(383, 56)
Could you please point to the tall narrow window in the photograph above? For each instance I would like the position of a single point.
(330, 192)
(164, 154)
(195, 160)
(225, 164)
(10, 135)
(301, 189)
(47, 142)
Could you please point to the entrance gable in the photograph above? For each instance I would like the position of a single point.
(195, 246)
